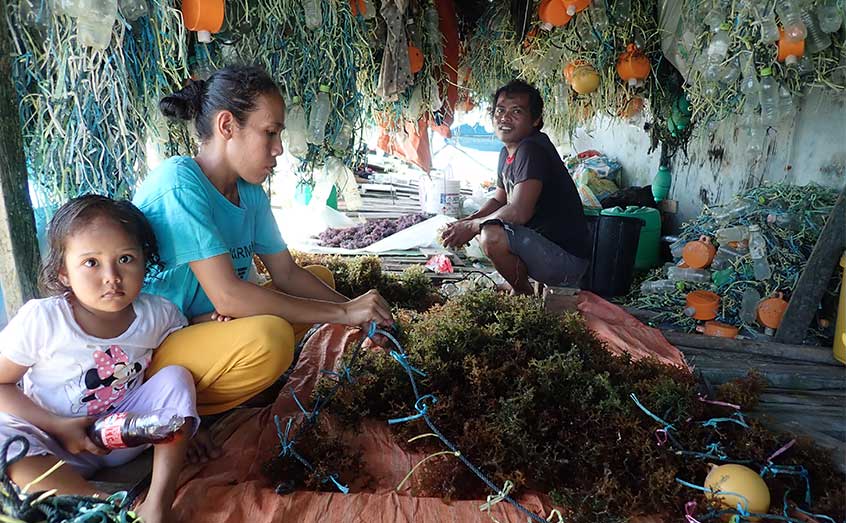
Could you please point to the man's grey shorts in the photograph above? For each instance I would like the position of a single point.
(545, 260)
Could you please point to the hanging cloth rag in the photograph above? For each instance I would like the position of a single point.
(395, 76)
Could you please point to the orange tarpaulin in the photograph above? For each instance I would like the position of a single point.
(233, 487)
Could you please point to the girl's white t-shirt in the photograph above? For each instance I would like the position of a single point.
(72, 373)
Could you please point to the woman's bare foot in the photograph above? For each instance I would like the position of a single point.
(202, 447)
(151, 512)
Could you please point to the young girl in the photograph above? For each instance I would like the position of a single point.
(82, 353)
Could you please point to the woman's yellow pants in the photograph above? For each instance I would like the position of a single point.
(233, 361)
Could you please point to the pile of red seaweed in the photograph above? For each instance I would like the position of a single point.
(368, 233)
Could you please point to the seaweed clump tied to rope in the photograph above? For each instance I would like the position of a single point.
(508, 394)
(412, 289)
(791, 219)
(19, 506)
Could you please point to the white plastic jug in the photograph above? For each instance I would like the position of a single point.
(440, 195)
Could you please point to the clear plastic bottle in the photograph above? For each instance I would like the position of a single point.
(816, 39)
(783, 219)
(295, 129)
(725, 257)
(35, 14)
(95, 21)
(732, 234)
(687, 274)
(786, 105)
(676, 248)
(749, 305)
(730, 73)
(657, 287)
(791, 19)
(769, 97)
(829, 17)
(125, 429)
(599, 15)
(733, 210)
(551, 61)
(341, 140)
(754, 135)
(345, 181)
(758, 252)
(132, 9)
(313, 13)
(720, 43)
(769, 29)
(319, 116)
(715, 17)
(622, 10)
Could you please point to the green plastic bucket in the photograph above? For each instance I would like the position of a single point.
(650, 234)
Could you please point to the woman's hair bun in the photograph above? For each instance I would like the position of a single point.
(186, 103)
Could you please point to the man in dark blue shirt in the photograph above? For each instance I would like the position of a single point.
(534, 225)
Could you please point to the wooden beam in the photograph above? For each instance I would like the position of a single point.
(18, 243)
(806, 353)
(814, 279)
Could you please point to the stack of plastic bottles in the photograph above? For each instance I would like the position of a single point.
(763, 240)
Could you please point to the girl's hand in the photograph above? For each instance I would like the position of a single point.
(216, 316)
(72, 433)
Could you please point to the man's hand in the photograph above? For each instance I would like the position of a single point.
(458, 234)
(72, 433)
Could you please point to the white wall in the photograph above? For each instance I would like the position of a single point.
(810, 147)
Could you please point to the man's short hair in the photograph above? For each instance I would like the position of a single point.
(522, 87)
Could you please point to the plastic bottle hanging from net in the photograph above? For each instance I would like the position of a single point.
(295, 129)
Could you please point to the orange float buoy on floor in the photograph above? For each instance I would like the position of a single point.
(553, 14)
(702, 305)
(415, 59)
(719, 329)
(698, 254)
(771, 311)
(203, 16)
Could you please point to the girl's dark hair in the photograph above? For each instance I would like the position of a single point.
(520, 87)
(235, 89)
(79, 212)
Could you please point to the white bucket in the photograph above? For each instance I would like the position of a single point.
(440, 196)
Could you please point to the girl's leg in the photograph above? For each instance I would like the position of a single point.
(65, 479)
(168, 459)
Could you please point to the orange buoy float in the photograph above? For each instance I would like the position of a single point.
(631, 107)
(719, 329)
(203, 16)
(575, 6)
(633, 66)
(702, 305)
(698, 254)
(584, 79)
(789, 51)
(553, 14)
(415, 59)
(771, 311)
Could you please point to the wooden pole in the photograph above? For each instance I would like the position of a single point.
(18, 243)
(814, 279)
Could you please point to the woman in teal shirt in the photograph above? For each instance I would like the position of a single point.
(210, 216)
